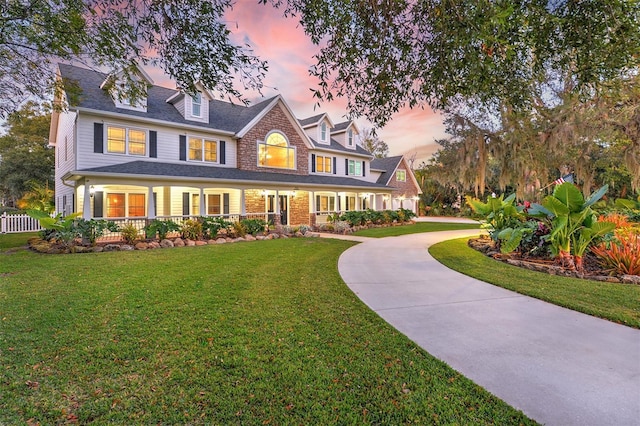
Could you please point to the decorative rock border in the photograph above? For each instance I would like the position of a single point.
(42, 246)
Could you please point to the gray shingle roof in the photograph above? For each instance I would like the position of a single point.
(388, 164)
(311, 120)
(340, 127)
(169, 170)
(223, 116)
(336, 146)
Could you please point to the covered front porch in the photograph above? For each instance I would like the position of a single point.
(294, 205)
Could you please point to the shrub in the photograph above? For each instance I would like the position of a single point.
(191, 229)
(129, 233)
(303, 229)
(211, 226)
(92, 229)
(621, 255)
(341, 226)
(239, 229)
(253, 226)
(161, 228)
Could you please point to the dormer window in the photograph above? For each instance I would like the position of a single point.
(323, 132)
(350, 137)
(196, 105)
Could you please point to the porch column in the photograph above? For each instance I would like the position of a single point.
(276, 201)
(86, 203)
(338, 207)
(243, 206)
(202, 201)
(374, 201)
(151, 207)
(312, 202)
(358, 202)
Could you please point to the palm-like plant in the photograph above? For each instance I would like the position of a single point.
(38, 198)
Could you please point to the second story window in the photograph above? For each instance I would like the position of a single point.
(122, 140)
(203, 150)
(196, 105)
(350, 137)
(401, 175)
(323, 164)
(355, 168)
(276, 152)
(323, 132)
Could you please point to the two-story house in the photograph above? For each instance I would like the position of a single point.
(171, 154)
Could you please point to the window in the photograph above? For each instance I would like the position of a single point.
(115, 205)
(401, 176)
(196, 105)
(136, 205)
(323, 132)
(121, 140)
(355, 168)
(213, 204)
(203, 150)
(195, 204)
(324, 164)
(326, 203)
(350, 137)
(276, 152)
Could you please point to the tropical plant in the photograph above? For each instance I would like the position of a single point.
(191, 229)
(211, 226)
(161, 228)
(574, 224)
(39, 197)
(129, 233)
(622, 255)
(92, 229)
(501, 218)
(60, 228)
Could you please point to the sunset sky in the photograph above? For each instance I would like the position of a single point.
(289, 52)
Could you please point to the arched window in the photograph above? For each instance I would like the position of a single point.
(323, 132)
(276, 152)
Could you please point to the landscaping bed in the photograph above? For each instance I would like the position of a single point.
(592, 269)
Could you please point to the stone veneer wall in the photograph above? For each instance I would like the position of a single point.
(276, 119)
(299, 209)
(254, 201)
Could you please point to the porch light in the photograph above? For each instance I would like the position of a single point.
(263, 193)
(293, 194)
(416, 198)
(92, 191)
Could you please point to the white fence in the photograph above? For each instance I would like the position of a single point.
(12, 223)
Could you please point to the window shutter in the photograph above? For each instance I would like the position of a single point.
(363, 167)
(346, 167)
(185, 203)
(155, 203)
(223, 155)
(335, 165)
(338, 202)
(313, 163)
(225, 203)
(98, 204)
(183, 148)
(98, 138)
(153, 144)
(317, 206)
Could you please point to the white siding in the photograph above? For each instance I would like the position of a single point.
(168, 143)
(65, 161)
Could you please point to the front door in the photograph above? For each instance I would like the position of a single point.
(284, 210)
(284, 207)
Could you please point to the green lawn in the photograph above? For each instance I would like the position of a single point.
(616, 302)
(12, 241)
(247, 333)
(394, 231)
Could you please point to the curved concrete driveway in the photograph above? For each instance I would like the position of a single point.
(558, 366)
